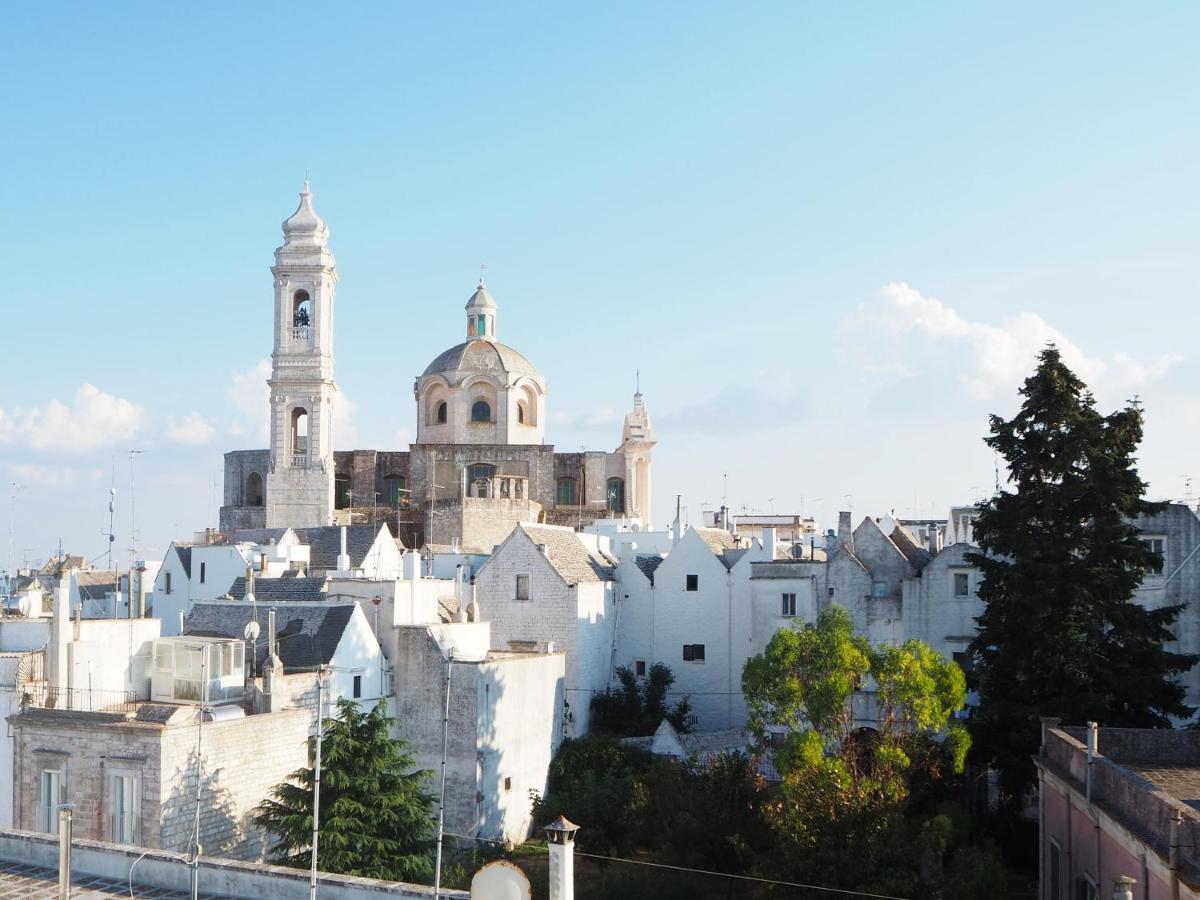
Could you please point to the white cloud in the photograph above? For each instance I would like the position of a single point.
(93, 419)
(604, 416)
(250, 398)
(192, 429)
(28, 474)
(345, 435)
(902, 332)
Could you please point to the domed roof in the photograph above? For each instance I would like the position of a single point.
(482, 356)
(305, 226)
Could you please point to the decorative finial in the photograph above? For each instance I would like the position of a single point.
(639, 380)
(482, 266)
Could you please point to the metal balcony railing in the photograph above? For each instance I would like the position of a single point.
(301, 334)
(79, 699)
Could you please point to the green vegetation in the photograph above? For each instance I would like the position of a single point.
(634, 709)
(375, 817)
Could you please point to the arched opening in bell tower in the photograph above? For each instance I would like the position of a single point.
(299, 436)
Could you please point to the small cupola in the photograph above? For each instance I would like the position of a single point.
(481, 315)
(305, 228)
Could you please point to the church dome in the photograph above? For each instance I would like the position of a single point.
(305, 226)
(478, 355)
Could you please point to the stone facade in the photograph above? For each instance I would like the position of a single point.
(241, 760)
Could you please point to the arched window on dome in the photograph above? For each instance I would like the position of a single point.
(480, 478)
(481, 411)
(615, 492)
(442, 413)
(566, 491)
(527, 406)
(254, 490)
(522, 414)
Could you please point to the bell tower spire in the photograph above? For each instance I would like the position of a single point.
(300, 478)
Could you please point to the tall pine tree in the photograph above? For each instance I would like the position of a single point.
(375, 814)
(1061, 559)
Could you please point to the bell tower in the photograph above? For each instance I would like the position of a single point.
(300, 478)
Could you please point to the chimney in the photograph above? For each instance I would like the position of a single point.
(270, 633)
(458, 584)
(249, 595)
(769, 542)
(410, 565)
(1092, 750)
(560, 842)
(59, 625)
(475, 616)
(544, 549)
(931, 538)
(343, 560)
(845, 533)
(1123, 887)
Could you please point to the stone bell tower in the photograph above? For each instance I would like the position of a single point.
(300, 477)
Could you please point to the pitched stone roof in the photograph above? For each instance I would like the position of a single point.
(263, 536)
(916, 555)
(569, 555)
(716, 539)
(649, 564)
(97, 585)
(307, 633)
(272, 590)
(185, 559)
(326, 543)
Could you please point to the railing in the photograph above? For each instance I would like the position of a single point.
(299, 460)
(301, 334)
(80, 699)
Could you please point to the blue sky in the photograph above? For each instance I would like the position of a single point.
(831, 236)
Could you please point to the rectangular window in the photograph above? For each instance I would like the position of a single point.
(788, 605)
(508, 784)
(167, 584)
(693, 653)
(202, 567)
(693, 582)
(522, 587)
(831, 592)
(49, 798)
(1085, 889)
(357, 686)
(1156, 545)
(124, 807)
(1055, 871)
(639, 668)
(962, 584)
(879, 588)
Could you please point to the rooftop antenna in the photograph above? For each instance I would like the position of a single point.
(12, 517)
(638, 380)
(482, 268)
(133, 455)
(1187, 489)
(112, 505)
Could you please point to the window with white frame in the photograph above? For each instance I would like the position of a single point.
(788, 605)
(522, 587)
(124, 803)
(962, 584)
(49, 799)
(1156, 544)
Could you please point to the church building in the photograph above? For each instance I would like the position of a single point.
(480, 464)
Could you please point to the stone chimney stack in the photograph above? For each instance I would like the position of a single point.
(845, 532)
(60, 629)
(1123, 887)
(343, 560)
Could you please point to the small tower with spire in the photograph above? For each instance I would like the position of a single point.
(637, 440)
(300, 478)
(481, 314)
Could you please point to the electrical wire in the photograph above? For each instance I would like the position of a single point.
(639, 862)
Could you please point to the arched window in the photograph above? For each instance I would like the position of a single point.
(566, 491)
(522, 418)
(342, 494)
(443, 413)
(301, 310)
(479, 480)
(481, 411)
(394, 488)
(616, 496)
(254, 490)
(299, 436)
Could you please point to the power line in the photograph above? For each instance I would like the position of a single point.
(638, 862)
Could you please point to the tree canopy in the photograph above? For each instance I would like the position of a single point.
(375, 819)
(636, 708)
(1060, 634)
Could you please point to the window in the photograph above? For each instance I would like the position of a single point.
(123, 808)
(879, 588)
(49, 798)
(788, 605)
(639, 668)
(481, 411)
(692, 583)
(522, 587)
(508, 784)
(831, 592)
(395, 489)
(203, 567)
(301, 310)
(442, 413)
(1156, 545)
(693, 653)
(505, 488)
(962, 584)
(479, 480)
(615, 493)
(254, 489)
(1085, 888)
(343, 493)
(1055, 871)
(167, 583)
(521, 417)
(519, 488)
(566, 492)
(299, 436)
(357, 686)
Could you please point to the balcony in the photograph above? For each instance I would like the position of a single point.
(302, 335)
(80, 699)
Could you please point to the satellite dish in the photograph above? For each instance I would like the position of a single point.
(501, 880)
(25, 605)
(251, 631)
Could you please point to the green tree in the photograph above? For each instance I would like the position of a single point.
(1060, 634)
(844, 792)
(637, 707)
(375, 819)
